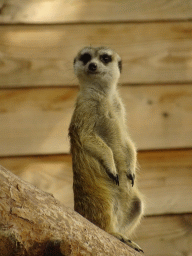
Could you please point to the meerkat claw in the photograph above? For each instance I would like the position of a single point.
(131, 244)
(117, 179)
(132, 178)
(114, 177)
(139, 250)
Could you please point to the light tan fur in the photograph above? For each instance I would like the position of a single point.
(103, 154)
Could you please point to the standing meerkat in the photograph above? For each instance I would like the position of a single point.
(103, 154)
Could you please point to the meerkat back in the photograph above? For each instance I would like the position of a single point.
(103, 154)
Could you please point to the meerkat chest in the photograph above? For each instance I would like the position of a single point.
(116, 110)
(111, 123)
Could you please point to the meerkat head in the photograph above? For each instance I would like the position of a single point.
(99, 66)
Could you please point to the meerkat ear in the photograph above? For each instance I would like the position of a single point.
(120, 65)
(74, 61)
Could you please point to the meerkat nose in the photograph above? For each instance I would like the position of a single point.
(92, 66)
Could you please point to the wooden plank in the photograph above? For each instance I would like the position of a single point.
(35, 121)
(165, 178)
(58, 11)
(165, 235)
(159, 116)
(43, 55)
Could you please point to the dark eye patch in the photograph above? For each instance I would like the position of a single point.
(105, 58)
(85, 58)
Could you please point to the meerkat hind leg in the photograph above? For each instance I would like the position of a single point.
(128, 242)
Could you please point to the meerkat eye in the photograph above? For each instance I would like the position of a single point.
(105, 58)
(85, 58)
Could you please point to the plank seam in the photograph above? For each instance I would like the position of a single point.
(112, 22)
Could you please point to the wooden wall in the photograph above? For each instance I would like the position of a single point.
(38, 41)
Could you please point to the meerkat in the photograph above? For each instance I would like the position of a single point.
(103, 154)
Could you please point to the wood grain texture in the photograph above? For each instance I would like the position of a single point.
(36, 121)
(58, 11)
(43, 55)
(165, 178)
(166, 235)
